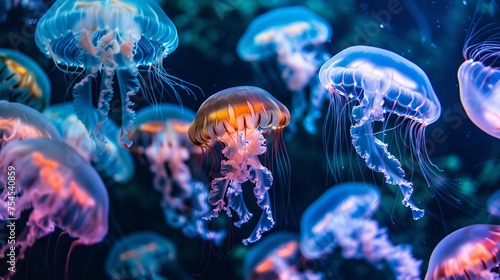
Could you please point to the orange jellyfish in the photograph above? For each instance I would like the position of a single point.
(238, 118)
(468, 253)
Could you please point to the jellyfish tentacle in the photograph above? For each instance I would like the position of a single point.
(82, 104)
(129, 86)
(266, 221)
(216, 196)
(106, 94)
(235, 200)
(378, 158)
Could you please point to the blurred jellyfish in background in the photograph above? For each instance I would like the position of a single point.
(22, 80)
(239, 118)
(114, 162)
(384, 84)
(479, 75)
(341, 218)
(143, 255)
(293, 36)
(18, 122)
(277, 256)
(60, 188)
(471, 252)
(160, 135)
(108, 37)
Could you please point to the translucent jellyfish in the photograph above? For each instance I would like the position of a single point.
(114, 162)
(109, 37)
(479, 77)
(18, 122)
(238, 117)
(277, 256)
(161, 137)
(383, 84)
(59, 187)
(293, 36)
(141, 255)
(22, 80)
(468, 253)
(341, 218)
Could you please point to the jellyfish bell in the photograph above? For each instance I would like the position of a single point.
(293, 36)
(141, 255)
(108, 37)
(340, 203)
(61, 189)
(237, 117)
(277, 255)
(23, 80)
(18, 122)
(479, 75)
(467, 253)
(378, 84)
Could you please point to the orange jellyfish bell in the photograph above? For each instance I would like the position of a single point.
(468, 253)
(237, 117)
(237, 109)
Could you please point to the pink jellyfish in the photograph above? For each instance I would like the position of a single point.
(60, 187)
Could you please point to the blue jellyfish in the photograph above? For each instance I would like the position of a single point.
(141, 255)
(293, 36)
(239, 118)
(383, 84)
(107, 37)
(161, 137)
(115, 162)
(341, 218)
(60, 188)
(22, 80)
(479, 76)
(277, 256)
(471, 252)
(18, 122)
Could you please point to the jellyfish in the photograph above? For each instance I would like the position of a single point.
(383, 84)
(115, 162)
(141, 255)
(471, 252)
(59, 187)
(277, 256)
(160, 135)
(107, 36)
(341, 218)
(23, 80)
(293, 36)
(238, 117)
(479, 76)
(18, 122)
